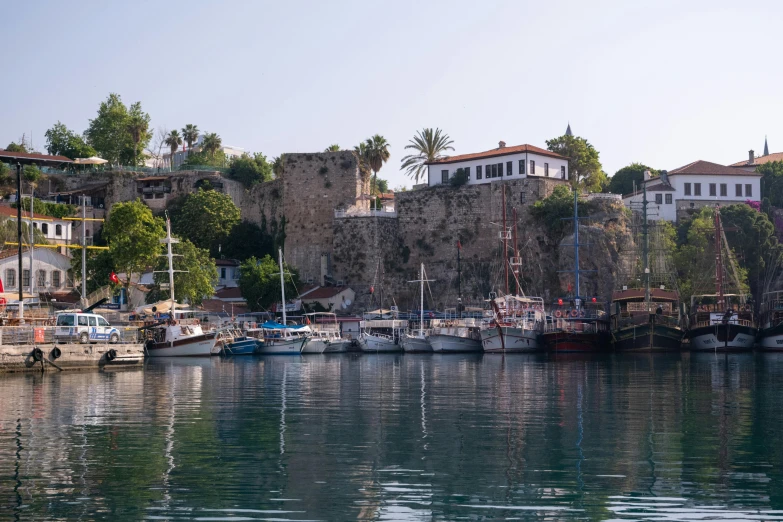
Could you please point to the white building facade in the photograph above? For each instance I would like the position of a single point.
(51, 271)
(56, 231)
(514, 162)
(696, 185)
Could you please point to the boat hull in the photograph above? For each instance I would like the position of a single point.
(722, 338)
(416, 345)
(508, 339)
(375, 344)
(340, 346)
(453, 344)
(577, 342)
(282, 347)
(198, 346)
(771, 339)
(648, 337)
(244, 346)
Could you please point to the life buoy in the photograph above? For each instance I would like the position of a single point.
(37, 354)
(56, 353)
(111, 354)
(558, 313)
(574, 312)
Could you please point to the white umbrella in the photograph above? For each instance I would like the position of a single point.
(93, 160)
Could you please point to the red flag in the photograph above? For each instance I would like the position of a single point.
(114, 279)
(459, 245)
(372, 289)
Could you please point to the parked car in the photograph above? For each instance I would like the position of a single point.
(84, 328)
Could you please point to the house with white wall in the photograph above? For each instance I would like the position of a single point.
(502, 163)
(50, 272)
(56, 231)
(696, 185)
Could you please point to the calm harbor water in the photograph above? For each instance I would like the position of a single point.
(665, 437)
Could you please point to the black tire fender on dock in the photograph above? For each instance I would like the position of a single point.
(111, 354)
(56, 353)
(37, 354)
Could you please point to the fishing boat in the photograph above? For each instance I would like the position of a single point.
(231, 341)
(415, 341)
(280, 339)
(456, 335)
(518, 320)
(644, 318)
(771, 325)
(381, 335)
(516, 327)
(325, 334)
(577, 323)
(722, 321)
(176, 338)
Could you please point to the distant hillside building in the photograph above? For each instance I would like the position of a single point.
(754, 161)
(502, 163)
(696, 185)
(179, 157)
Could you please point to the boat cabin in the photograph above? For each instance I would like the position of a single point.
(629, 307)
(709, 310)
(772, 309)
(577, 315)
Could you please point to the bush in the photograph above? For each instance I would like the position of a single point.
(47, 208)
(31, 173)
(551, 211)
(459, 178)
(250, 170)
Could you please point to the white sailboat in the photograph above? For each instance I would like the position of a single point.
(325, 334)
(381, 335)
(183, 338)
(416, 341)
(281, 339)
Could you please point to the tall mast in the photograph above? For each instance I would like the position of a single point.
(421, 303)
(505, 238)
(576, 244)
(645, 247)
(19, 239)
(84, 251)
(459, 280)
(282, 280)
(32, 242)
(170, 256)
(718, 261)
(516, 248)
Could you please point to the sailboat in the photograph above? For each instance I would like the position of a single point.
(416, 341)
(577, 324)
(518, 320)
(721, 321)
(647, 319)
(457, 334)
(384, 334)
(281, 339)
(176, 338)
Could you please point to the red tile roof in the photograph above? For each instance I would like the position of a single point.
(497, 152)
(707, 168)
(231, 292)
(216, 306)
(227, 262)
(760, 160)
(11, 212)
(660, 187)
(44, 158)
(323, 292)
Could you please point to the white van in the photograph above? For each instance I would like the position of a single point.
(85, 328)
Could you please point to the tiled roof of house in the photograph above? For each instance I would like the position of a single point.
(323, 292)
(227, 262)
(707, 168)
(500, 151)
(231, 292)
(42, 158)
(10, 252)
(660, 187)
(760, 160)
(11, 212)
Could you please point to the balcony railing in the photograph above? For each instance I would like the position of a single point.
(353, 212)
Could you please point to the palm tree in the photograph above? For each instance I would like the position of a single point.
(211, 143)
(278, 166)
(190, 134)
(137, 128)
(332, 148)
(377, 155)
(430, 146)
(173, 140)
(362, 160)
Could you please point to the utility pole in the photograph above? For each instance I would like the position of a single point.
(84, 250)
(32, 242)
(646, 248)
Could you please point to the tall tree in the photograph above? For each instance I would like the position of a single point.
(61, 141)
(133, 235)
(377, 155)
(623, 180)
(190, 134)
(772, 182)
(196, 277)
(278, 166)
(119, 135)
(251, 169)
(259, 282)
(430, 145)
(15, 147)
(361, 152)
(206, 218)
(173, 141)
(584, 167)
(139, 130)
(332, 148)
(211, 143)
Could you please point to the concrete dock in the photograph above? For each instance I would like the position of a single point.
(61, 357)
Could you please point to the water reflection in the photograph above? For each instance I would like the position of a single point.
(393, 437)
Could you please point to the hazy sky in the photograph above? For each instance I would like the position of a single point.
(663, 83)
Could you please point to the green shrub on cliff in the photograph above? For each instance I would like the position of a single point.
(259, 282)
(551, 211)
(459, 178)
(206, 218)
(250, 170)
(47, 208)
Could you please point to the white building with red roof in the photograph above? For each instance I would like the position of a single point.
(698, 184)
(504, 162)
